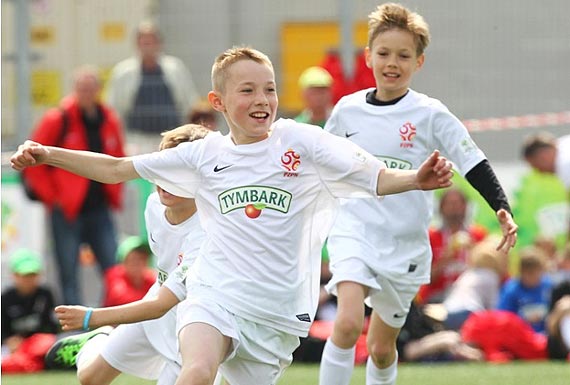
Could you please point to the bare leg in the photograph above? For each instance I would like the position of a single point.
(337, 362)
(203, 348)
(97, 372)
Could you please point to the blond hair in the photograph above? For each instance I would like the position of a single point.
(185, 133)
(231, 56)
(485, 255)
(395, 16)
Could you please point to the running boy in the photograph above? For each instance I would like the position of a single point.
(148, 350)
(380, 250)
(265, 194)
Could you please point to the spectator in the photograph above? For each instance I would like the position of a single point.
(28, 321)
(204, 114)
(547, 154)
(476, 289)
(152, 92)
(450, 246)
(558, 321)
(315, 84)
(503, 336)
(529, 295)
(132, 277)
(79, 209)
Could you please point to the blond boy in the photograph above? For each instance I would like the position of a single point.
(380, 251)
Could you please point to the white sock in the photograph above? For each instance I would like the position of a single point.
(377, 376)
(337, 365)
(90, 350)
(565, 330)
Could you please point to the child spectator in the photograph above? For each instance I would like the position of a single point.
(132, 277)
(28, 322)
(528, 296)
(477, 288)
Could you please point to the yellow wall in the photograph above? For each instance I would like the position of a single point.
(304, 45)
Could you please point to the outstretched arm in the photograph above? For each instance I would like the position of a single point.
(73, 317)
(434, 173)
(95, 166)
(483, 179)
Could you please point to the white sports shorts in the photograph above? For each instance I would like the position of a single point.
(390, 299)
(128, 350)
(259, 354)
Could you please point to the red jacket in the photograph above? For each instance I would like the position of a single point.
(439, 241)
(119, 289)
(55, 186)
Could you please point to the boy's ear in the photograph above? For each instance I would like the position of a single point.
(216, 101)
(421, 60)
(367, 57)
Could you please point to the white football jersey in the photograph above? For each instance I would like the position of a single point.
(171, 244)
(391, 235)
(266, 208)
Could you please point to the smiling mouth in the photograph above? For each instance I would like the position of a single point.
(259, 115)
(392, 76)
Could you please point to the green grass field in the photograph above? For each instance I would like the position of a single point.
(543, 373)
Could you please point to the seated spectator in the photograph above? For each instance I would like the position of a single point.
(28, 322)
(132, 277)
(529, 295)
(450, 245)
(422, 339)
(503, 336)
(477, 288)
(558, 321)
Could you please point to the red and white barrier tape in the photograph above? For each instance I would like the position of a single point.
(518, 122)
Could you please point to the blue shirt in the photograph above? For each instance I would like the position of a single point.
(529, 303)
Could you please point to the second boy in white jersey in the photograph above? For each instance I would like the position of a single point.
(379, 250)
(147, 349)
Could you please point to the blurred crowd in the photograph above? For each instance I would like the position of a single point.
(480, 305)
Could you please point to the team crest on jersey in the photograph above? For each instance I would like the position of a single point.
(407, 134)
(291, 161)
(254, 199)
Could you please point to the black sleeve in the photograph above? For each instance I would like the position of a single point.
(483, 179)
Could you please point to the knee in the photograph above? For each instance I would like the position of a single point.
(196, 374)
(383, 354)
(86, 378)
(348, 329)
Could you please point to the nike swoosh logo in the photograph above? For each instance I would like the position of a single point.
(218, 169)
(349, 134)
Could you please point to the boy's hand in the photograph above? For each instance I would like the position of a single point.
(435, 172)
(509, 229)
(29, 154)
(70, 317)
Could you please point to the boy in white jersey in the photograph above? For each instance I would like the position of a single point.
(380, 251)
(148, 349)
(265, 194)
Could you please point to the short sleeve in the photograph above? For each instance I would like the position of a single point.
(346, 169)
(454, 141)
(175, 169)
